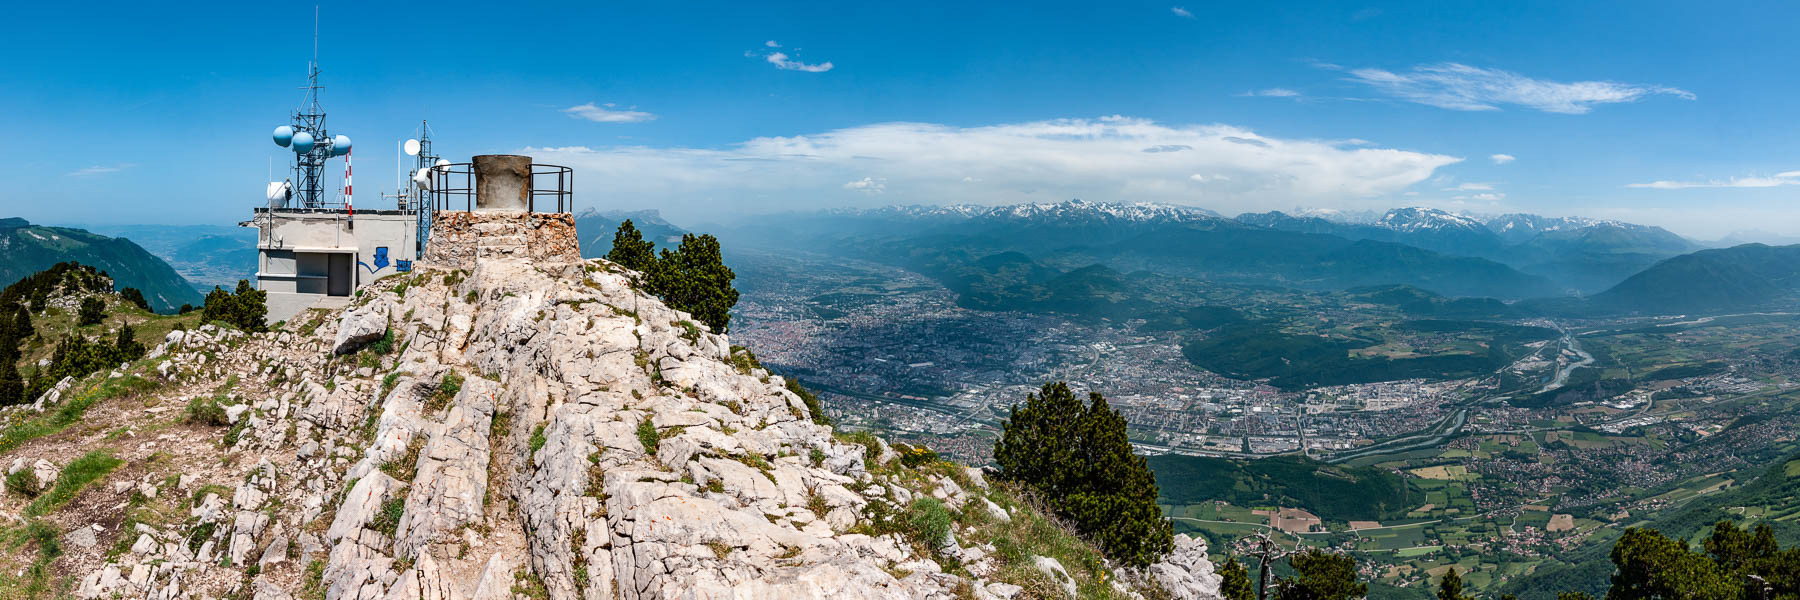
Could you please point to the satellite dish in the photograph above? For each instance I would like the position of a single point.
(443, 165)
(284, 135)
(412, 147)
(423, 177)
(303, 142)
(278, 191)
(340, 145)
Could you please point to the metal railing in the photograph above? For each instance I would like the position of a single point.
(549, 184)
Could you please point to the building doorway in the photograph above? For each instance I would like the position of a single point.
(338, 275)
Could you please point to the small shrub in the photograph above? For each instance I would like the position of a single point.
(385, 345)
(916, 456)
(448, 387)
(24, 482)
(537, 439)
(93, 311)
(388, 382)
(388, 520)
(927, 521)
(648, 436)
(470, 297)
(206, 410)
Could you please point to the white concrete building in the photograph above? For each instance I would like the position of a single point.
(309, 256)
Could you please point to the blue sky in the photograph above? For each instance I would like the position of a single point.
(1669, 114)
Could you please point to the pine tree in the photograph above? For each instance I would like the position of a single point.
(1079, 458)
(694, 278)
(127, 345)
(93, 311)
(1451, 586)
(1235, 583)
(12, 386)
(21, 324)
(1320, 575)
(245, 309)
(136, 297)
(630, 250)
(1649, 565)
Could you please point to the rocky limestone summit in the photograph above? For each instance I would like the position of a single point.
(538, 428)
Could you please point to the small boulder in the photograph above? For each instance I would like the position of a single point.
(360, 326)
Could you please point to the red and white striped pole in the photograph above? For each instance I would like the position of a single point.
(349, 201)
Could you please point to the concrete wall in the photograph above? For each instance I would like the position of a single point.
(294, 255)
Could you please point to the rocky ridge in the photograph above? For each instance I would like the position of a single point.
(529, 427)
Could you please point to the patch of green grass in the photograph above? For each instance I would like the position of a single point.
(537, 439)
(35, 581)
(648, 436)
(927, 521)
(448, 387)
(72, 410)
(75, 477)
(406, 466)
(388, 382)
(387, 521)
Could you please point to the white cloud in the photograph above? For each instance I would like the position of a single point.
(771, 44)
(1462, 87)
(100, 170)
(1776, 180)
(1501, 159)
(925, 163)
(781, 61)
(1181, 12)
(1272, 93)
(607, 113)
(867, 185)
(1470, 187)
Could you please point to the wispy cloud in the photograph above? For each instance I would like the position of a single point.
(783, 61)
(1181, 12)
(100, 170)
(1501, 159)
(1470, 187)
(867, 185)
(1457, 86)
(1776, 180)
(1101, 158)
(1272, 93)
(608, 113)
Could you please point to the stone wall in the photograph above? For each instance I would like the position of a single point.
(458, 238)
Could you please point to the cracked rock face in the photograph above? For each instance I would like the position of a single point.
(540, 428)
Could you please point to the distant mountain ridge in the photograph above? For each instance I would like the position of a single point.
(1741, 277)
(27, 249)
(953, 243)
(1586, 255)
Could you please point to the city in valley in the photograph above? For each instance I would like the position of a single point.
(1501, 477)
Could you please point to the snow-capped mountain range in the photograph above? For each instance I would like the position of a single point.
(1077, 209)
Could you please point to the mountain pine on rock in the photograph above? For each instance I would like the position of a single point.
(692, 277)
(631, 250)
(1079, 459)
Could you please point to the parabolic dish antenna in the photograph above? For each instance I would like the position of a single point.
(443, 165)
(412, 147)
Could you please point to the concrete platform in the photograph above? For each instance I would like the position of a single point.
(284, 305)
